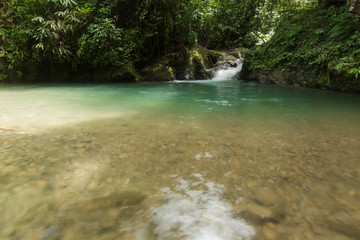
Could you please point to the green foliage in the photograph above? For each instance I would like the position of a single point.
(318, 40)
(51, 33)
(224, 24)
(111, 33)
(101, 44)
(38, 31)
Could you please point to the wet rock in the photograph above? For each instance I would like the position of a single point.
(159, 73)
(200, 63)
(261, 214)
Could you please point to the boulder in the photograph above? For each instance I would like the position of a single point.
(158, 73)
(199, 63)
(328, 79)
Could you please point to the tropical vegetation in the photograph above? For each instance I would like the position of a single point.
(281, 34)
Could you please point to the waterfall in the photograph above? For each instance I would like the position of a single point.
(228, 73)
(223, 74)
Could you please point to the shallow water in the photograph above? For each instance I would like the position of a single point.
(180, 160)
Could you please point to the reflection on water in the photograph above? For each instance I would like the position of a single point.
(179, 161)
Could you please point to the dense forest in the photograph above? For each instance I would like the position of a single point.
(122, 39)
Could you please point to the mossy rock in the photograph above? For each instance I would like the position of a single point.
(235, 52)
(127, 73)
(159, 73)
(215, 56)
(199, 63)
(197, 60)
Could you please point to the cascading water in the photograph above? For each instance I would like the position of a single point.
(228, 73)
(223, 74)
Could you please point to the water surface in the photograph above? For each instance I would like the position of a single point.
(178, 160)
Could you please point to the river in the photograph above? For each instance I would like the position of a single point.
(203, 160)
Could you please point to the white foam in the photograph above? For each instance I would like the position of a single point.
(203, 155)
(229, 73)
(226, 74)
(220, 102)
(197, 214)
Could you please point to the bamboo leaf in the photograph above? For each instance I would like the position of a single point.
(38, 19)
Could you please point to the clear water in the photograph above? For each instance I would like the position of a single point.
(179, 160)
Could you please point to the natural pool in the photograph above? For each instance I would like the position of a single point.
(179, 160)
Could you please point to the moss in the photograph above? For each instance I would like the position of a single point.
(323, 44)
(158, 73)
(215, 56)
(127, 73)
(198, 67)
(197, 60)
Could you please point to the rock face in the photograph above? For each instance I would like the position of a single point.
(324, 80)
(200, 63)
(159, 73)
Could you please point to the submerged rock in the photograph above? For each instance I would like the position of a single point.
(266, 197)
(122, 199)
(261, 214)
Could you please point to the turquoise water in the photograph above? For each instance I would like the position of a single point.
(36, 107)
(178, 160)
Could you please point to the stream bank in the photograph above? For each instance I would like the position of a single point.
(197, 63)
(314, 48)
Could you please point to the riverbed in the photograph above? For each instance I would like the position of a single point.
(178, 160)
